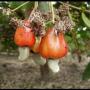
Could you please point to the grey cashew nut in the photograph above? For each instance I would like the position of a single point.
(23, 53)
(54, 65)
(38, 59)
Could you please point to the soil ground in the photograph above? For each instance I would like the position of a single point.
(26, 74)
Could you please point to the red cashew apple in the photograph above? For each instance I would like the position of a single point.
(53, 45)
(35, 47)
(24, 36)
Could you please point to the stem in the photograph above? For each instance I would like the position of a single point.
(72, 6)
(53, 14)
(19, 6)
(69, 14)
(35, 7)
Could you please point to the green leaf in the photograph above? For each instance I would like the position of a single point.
(86, 73)
(49, 24)
(44, 7)
(68, 38)
(86, 20)
(71, 46)
(15, 4)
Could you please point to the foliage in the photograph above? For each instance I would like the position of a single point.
(86, 73)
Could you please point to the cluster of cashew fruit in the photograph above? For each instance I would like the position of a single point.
(49, 48)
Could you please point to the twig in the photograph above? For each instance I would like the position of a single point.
(35, 7)
(19, 6)
(53, 15)
(72, 6)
